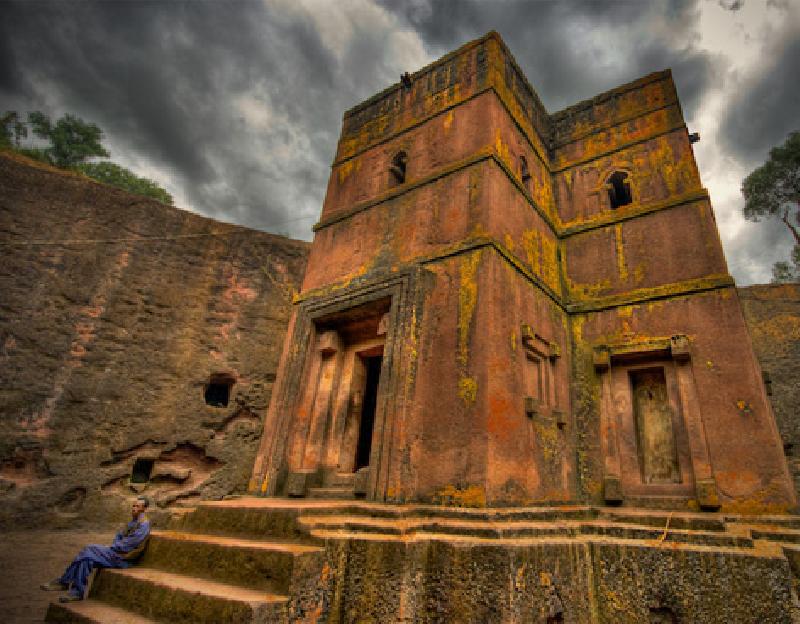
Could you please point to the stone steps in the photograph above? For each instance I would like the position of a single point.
(180, 599)
(269, 560)
(693, 521)
(322, 526)
(256, 564)
(92, 612)
(241, 520)
(332, 493)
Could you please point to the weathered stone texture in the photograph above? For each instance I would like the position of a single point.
(772, 312)
(530, 267)
(115, 311)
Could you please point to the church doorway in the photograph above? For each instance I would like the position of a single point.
(372, 364)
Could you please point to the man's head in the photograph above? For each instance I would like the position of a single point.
(139, 507)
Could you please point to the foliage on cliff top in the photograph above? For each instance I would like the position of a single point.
(773, 190)
(70, 143)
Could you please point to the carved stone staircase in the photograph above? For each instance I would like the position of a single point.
(271, 560)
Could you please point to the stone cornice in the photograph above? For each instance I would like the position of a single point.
(652, 293)
(627, 213)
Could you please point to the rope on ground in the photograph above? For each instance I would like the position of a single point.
(666, 527)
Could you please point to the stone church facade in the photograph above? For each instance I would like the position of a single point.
(506, 307)
(510, 380)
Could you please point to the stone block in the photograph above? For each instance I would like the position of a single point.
(680, 348)
(612, 489)
(707, 497)
(297, 483)
(601, 358)
(361, 482)
(329, 343)
(532, 406)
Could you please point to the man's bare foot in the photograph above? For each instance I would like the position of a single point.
(55, 585)
(70, 597)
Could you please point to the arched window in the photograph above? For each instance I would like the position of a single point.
(619, 189)
(524, 173)
(397, 170)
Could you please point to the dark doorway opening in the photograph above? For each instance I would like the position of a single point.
(142, 468)
(364, 446)
(218, 390)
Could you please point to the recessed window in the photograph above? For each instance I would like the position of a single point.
(524, 172)
(142, 469)
(619, 189)
(397, 170)
(218, 390)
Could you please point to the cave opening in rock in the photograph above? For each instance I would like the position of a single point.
(218, 390)
(142, 469)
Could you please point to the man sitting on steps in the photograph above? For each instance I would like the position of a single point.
(128, 545)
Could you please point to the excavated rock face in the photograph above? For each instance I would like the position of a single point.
(139, 344)
(772, 312)
(138, 347)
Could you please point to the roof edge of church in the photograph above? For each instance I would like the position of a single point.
(638, 83)
(492, 34)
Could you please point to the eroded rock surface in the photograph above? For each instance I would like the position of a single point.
(117, 314)
(773, 315)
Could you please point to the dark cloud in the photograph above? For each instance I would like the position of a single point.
(767, 105)
(753, 250)
(731, 5)
(236, 107)
(572, 50)
(239, 105)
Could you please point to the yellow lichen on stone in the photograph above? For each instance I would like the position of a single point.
(547, 439)
(502, 151)
(530, 243)
(467, 299)
(471, 496)
(467, 390)
(549, 263)
(448, 120)
(619, 244)
(347, 168)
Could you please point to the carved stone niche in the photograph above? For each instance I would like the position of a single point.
(652, 436)
(541, 391)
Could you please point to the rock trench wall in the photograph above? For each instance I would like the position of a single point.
(772, 312)
(110, 337)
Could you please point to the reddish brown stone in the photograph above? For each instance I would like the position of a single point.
(523, 308)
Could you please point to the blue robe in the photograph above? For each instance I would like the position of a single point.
(126, 543)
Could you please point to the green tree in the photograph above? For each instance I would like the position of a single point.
(72, 140)
(773, 190)
(120, 177)
(11, 128)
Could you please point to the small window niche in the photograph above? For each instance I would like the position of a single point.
(142, 469)
(397, 170)
(218, 390)
(619, 189)
(524, 172)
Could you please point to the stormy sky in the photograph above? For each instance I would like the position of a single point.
(235, 107)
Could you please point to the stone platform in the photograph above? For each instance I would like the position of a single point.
(300, 560)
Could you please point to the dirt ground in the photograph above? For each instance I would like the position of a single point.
(29, 558)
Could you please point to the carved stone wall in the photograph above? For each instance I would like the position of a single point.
(124, 327)
(772, 312)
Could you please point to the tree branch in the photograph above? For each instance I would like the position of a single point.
(792, 229)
